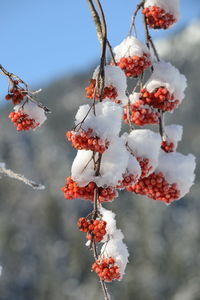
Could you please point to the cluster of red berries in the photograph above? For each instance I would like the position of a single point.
(94, 228)
(72, 190)
(106, 269)
(167, 146)
(160, 99)
(22, 121)
(128, 179)
(140, 115)
(145, 166)
(135, 65)
(158, 18)
(156, 187)
(84, 140)
(108, 92)
(16, 94)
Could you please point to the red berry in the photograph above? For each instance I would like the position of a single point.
(134, 66)
(109, 91)
(106, 269)
(158, 18)
(22, 121)
(156, 187)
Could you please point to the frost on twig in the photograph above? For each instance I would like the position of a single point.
(11, 174)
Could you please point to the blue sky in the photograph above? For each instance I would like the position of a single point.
(44, 39)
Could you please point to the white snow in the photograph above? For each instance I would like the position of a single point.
(114, 76)
(113, 164)
(170, 6)
(173, 134)
(107, 121)
(134, 168)
(129, 47)
(109, 217)
(33, 111)
(178, 168)
(146, 144)
(116, 249)
(166, 75)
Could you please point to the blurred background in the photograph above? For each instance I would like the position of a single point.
(53, 45)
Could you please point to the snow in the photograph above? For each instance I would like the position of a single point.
(1, 270)
(174, 134)
(113, 164)
(116, 249)
(146, 144)
(107, 121)
(166, 75)
(33, 111)
(170, 6)
(109, 217)
(178, 168)
(114, 76)
(133, 167)
(129, 47)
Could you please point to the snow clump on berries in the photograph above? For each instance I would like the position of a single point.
(101, 122)
(170, 6)
(33, 111)
(166, 75)
(129, 47)
(116, 249)
(116, 78)
(178, 168)
(173, 134)
(132, 56)
(144, 144)
(111, 170)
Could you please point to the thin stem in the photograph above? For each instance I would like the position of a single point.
(149, 41)
(161, 124)
(139, 6)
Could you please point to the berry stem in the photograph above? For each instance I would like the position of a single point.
(139, 6)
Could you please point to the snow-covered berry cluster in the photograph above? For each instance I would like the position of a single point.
(142, 161)
(27, 116)
(132, 56)
(22, 121)
(28, 113)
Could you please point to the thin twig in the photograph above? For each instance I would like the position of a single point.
(11, 174)
(139, 6)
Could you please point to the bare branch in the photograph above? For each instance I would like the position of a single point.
(11, 174)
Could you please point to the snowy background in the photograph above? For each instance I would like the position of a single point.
(42, 252)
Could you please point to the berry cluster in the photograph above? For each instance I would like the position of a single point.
(16, 94)
(158, 18)
(156, 187)
(140, 115)
(108, 92)
(22, 121)
(85, 140)
(106, 269)
(94, 228)
(160, 99)
(145, 166)
(134, 66)
(72, 190)
(128, 179)
(167, 146)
